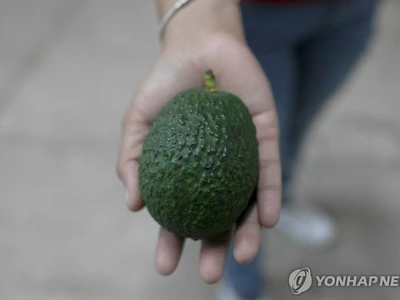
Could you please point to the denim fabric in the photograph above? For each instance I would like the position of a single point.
(306, 51)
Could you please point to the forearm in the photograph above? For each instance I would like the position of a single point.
(202, 17)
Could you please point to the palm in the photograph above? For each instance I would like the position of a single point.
(239, 73)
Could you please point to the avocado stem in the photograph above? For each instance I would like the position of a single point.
(210, 82)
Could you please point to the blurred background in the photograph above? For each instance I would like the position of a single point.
(68, 69)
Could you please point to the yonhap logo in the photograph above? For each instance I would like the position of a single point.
(300, 280)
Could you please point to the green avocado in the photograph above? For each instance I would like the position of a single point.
(199, 162)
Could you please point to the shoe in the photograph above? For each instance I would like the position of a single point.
(226, 292)
(309, 228)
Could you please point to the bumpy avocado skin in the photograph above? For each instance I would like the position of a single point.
(199, 163)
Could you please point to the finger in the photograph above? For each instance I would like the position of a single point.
(269, 182)
(213, 255)
(134, 132)
(168, 252)
(129, 175)
(247, 236)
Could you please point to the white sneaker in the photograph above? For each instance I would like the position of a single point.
(226, 292)
(308, 227)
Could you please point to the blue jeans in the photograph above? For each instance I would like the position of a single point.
(307, 51)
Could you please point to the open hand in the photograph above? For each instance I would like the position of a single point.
(181, 66)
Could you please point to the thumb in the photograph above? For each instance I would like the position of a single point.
(134, 132)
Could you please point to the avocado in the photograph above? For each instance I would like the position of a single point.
(199, 162)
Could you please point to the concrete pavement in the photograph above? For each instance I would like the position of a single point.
(68, 69)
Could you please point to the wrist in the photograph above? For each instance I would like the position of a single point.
(165, 5)
(201, 18)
